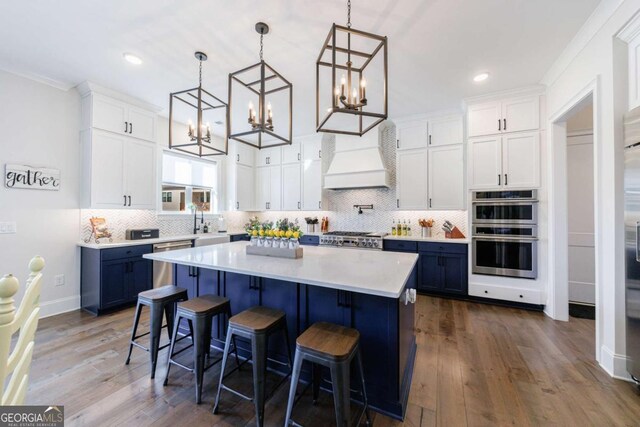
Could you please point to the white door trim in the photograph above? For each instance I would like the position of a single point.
(557, 305)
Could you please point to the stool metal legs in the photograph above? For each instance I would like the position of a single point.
(136, 320)
(340, 379)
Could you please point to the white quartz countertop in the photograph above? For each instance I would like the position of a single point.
(370, 272)
(427, 239)
(105, 244)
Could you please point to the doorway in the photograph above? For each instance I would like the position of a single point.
(580, 211)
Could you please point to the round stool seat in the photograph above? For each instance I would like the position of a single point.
(329, 340)
(257, 319)
(164, 293)
(204, 305)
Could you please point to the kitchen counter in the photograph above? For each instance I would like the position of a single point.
(427, 239)
(370, 272)
(105, 244)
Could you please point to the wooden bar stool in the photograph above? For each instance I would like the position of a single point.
(159, 300)
(256, 324)
(199, 312)
(335, 347)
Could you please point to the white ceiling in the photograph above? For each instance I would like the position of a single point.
(435, 46)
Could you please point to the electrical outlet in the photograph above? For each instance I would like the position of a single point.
(59, 279)
(8, 227)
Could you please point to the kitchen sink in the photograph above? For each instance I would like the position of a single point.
(211, 240)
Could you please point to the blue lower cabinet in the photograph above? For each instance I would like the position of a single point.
(187, 277)
(284, 296)
(113, 278)
(325, 305)
(239, 237)
(443, 268)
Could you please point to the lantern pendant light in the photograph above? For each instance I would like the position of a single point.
(349, 111)
(198, 140)
(262, 84)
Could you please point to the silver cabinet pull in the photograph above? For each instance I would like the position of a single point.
(298, 156)
(237, 157)
(397, 203)
(319, 154)
(298, 205)
(237, 205)
(320, 204)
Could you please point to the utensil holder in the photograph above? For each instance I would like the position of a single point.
(425, 232)
(311, 228)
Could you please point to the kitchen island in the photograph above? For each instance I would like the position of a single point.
(363, 289)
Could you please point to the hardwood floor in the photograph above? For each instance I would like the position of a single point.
(477, 365)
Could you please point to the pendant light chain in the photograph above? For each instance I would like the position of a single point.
(348, 13)
(200, 74)
(261, 45)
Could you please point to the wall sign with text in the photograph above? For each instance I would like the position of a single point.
(23, 176)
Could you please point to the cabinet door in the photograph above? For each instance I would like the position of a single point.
(521, 114)
(291, 187)
(263, 187)
(446, 177)
(445, 131)
(107, 170)
(454, 273)
(429, 272)
(291, 153)
(412, 135)
(187, 277)
(244, 188)
(485, 162)
(140, 276)
(109, 114)
(275, 190)
(142, 124)
(139, 174)
(326, 305)
(113, 283)
(245, 154)
(311, 149)
(521, 160)
(411, 175)
(312, 185)
(284, 296)
(484, 119)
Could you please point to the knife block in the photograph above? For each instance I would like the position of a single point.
(455, 234)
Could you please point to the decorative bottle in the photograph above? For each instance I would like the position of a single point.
(393, 228)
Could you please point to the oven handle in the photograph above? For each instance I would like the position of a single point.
(505, 238)
(511, 202)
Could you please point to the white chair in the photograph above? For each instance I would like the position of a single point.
(17, 363)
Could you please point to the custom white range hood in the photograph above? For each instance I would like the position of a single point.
(357, 163)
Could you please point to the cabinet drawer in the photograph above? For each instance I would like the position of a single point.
(452, 248)
(310, 240)
(400, 245)
(125, 252)
(527, 296)
(239, 237)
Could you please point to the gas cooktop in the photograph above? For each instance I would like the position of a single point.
(352, 239)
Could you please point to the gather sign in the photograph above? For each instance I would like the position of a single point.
(23, 176)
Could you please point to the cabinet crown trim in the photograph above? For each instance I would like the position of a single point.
(505, 95)
(87, 88)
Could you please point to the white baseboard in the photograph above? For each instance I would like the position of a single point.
(59, 306)
(614, 364)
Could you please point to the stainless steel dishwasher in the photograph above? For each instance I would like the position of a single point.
(163, 271)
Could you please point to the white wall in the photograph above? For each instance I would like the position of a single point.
(39, 126)
(600, 59)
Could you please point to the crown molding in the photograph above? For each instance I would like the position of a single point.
(86, 88)
(521, 91)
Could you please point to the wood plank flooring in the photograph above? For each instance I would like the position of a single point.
(476, 365)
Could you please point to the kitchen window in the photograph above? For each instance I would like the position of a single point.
(189, 183)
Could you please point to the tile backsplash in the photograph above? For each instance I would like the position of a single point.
(342, 215)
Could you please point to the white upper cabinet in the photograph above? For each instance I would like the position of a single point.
(311, 185)
(291, 186)
(119, 171)
(484, 119)
(411, 177)
(509, 161)
(243, 188)
(291, 153)
(311, 148)
(268, 156)
(268, 188)
(446, 177)
(521, 160)
(242, 154)
(412, 135)
(113, 115)
(521, 114)
(509, 115)
(485, 162)
(446, 131)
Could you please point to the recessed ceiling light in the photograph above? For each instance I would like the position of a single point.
(131, 58)
(481, 77)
